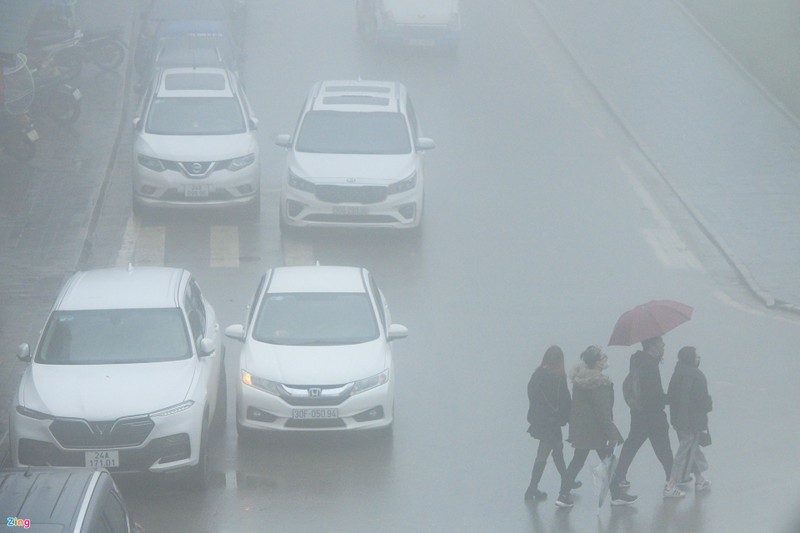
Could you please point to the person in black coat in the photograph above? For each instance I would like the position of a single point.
(548, 409)
(689, 405)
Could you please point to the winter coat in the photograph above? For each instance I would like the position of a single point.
(591, 424)
(653, 399)
(548, 404)
(689, 401)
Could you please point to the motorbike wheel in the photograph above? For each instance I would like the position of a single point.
(61, 106)
(108, 54)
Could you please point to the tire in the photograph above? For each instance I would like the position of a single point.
(61, 106)
(108, 54)
(198, 477)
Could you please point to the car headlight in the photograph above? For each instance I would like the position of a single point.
(266, 385)
(369, 383)
(403, 185)
(241, 162)
(296, 182)
(30, 413)
(175, 409)
(150, 162)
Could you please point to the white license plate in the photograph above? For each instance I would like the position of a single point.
(102, 459)
(33, 135)
(350, 210)
(76, 93)
(310, 414)
(196, 191)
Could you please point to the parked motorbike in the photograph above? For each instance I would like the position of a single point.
(102, 47)
(53, 97)
(17, 134)
(52, 45)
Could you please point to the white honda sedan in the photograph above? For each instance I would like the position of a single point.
(317, 352)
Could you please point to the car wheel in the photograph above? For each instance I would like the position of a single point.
(198, 476)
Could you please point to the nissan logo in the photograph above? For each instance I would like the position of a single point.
(197, 168)
(315, 392)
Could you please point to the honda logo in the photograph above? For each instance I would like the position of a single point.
(315, 392)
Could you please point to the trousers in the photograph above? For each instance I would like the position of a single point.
(653, 427)
(689, 458)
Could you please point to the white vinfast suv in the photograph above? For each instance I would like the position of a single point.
(195, 142)
(317, 352)
(355, 159)
(127, 375)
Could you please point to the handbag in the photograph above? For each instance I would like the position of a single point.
(704, 439)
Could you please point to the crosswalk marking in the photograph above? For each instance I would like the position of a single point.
(224, 245)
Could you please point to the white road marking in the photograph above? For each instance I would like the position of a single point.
(224, 246)
(128, 247)
(665, 242)
(230, 480)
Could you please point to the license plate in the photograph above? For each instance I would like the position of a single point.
(33, 135)
(307, 414)
(102, 459)
(350, 210)
(76, 93)
(196, 191)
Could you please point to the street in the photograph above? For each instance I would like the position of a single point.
(579, 171)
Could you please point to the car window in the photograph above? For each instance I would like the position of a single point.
(340, 132)
(111, 336)
(196, 311)
(255, 300)
(113, 518)
(378, 301)
(316, 319)
(195, 116)
(412, 118)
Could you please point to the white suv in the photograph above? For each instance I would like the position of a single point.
(355, 159)
(317, 353)
(127, 375)
(195, 142)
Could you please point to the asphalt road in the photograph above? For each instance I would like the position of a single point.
(546, 217)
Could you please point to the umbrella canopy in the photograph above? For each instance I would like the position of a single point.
(649, 320)
(602, 475)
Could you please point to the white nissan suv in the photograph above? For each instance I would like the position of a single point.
(355, 159)
(317, 353)
(127, 375)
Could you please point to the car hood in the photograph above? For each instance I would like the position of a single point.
(335, 168)
(421, 11)
(106, 392)
(315, 365)
(196, 147)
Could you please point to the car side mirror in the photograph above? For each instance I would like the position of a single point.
(397, 331)
(284, 140)
(24, 352)
(254, 123)
(425, 143)
(235, 331)
(137, 122)
(205, 347)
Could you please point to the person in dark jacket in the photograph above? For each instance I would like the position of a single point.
(649, 421)
(591, 421)
(548, 409)
(689, 405)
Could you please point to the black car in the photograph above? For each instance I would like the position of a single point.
(63, 499)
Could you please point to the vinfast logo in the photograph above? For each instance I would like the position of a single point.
(13, 521)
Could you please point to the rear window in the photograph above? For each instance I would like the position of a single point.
(114, 336)
(194, 81)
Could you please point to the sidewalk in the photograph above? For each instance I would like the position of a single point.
(727, 148)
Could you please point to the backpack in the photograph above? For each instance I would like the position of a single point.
(632, 389)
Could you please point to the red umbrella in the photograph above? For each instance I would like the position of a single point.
(649, 320)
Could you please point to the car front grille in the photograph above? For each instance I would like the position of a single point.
(351, 219)
(321, 423)
(77, 433)
(301, 395)
(362, 194)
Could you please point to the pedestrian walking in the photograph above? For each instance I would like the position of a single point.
(548, 410)
(689, 405)
(648, 415)
(591, 421)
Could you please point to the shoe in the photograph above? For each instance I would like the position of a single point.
(576, 485)
(624, 484)
(565, 501)
(623, 498)
(673, 492)
(702, 485)
(535, 494)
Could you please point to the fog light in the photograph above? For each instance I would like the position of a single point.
(147, 190)
(408, 210)
(245, 189)
(376, 413)
(259, 415)
(293, 208)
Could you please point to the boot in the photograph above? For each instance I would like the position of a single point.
(533, 491)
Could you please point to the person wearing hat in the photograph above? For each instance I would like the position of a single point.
(591, 420)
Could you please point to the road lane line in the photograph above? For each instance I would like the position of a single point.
(126, 250)
(224, 246)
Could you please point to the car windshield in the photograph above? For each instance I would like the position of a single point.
(316, 319)
(195, 116)
(111, 336)
(338, 132)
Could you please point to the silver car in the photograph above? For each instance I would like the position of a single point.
(195, 143)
